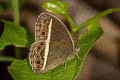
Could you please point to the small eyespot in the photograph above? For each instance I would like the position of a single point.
(38, 47)
(38, 62)
(38, 56)
(43, 33)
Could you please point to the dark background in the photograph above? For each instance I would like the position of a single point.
(103, 61)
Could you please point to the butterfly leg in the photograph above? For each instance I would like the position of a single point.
(64, 66)
(77, 50)
(78, 56)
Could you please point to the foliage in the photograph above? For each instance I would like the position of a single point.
(15, 35)
(21, 71)
(19, 37)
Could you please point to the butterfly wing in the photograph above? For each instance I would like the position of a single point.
(59, 46)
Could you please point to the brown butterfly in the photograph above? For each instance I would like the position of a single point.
(53, 44)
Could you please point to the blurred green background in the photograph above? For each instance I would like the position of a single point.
(103, 61)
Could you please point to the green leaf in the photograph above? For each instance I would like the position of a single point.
(87, 40)
(20, 70)
(57, 7)
(15, 35)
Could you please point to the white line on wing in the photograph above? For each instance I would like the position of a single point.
(47, 45)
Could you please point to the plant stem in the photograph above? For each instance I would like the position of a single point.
(104, 13)
(71, 22)
(6, 59)
(15, 5)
